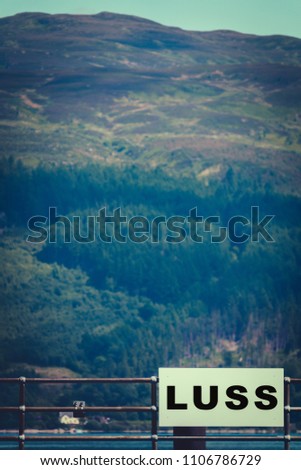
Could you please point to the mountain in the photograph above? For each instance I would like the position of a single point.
(123, 90)
(120, 113)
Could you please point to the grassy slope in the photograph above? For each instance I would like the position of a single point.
(120, 90)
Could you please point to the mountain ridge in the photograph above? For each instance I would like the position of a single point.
(107, 15)
(134, 88)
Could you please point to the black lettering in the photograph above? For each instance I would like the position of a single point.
(197, 398)
(232, 393)
(272, 401)
(171, 399)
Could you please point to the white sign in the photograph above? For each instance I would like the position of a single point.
(221, 397)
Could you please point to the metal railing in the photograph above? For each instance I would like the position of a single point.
(154, 436)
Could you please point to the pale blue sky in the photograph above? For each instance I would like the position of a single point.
(247, 16)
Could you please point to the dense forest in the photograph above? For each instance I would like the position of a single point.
(125, 309)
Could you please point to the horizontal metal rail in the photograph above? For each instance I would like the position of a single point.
(79, 380)
(84, 438)
(230, 438)
(107, 409)
(159, 437)
(154, 437)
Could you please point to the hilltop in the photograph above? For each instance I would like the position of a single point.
(123, 90)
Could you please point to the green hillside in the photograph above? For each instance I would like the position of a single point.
(109, 111)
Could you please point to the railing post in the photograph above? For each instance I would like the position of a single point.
(22, 385)
(287, 412)
(189, 444)
(154, 381)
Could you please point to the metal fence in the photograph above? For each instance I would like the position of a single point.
(154, 436)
